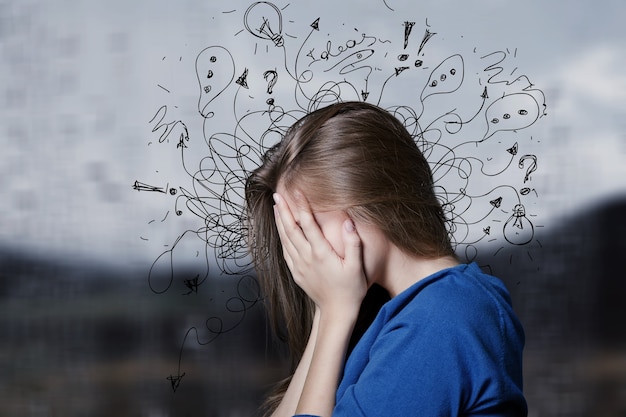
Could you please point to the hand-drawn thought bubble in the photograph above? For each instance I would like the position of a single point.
(447, 77)
(215, 69)
(511, 112)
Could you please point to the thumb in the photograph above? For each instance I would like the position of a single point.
(352, 243)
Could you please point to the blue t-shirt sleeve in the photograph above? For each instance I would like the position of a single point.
(449, 361)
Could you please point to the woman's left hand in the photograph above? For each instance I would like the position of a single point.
(335, 284)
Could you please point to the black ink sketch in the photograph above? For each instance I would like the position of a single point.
(168, 127)
(408, 27)
(264, 20)
(140, 186)
(175, 380)
(215, 69)
(532, 168)
(464, 112)
(271, 77)
(247, 297)
(427, 35)
(242, 80)
(518, 230)
(192, 284)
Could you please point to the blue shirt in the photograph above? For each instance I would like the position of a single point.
(449, 345)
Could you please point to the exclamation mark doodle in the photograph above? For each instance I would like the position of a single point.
(427, 35)
(408, 27)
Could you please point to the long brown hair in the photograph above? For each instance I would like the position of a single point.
(350, 156)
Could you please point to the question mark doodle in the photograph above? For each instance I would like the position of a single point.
(532, 168)
(271, 77)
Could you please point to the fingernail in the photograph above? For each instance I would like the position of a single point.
(276, 198)
(349, 225)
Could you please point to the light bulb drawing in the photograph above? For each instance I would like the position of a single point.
(264, 20)
(518, 230)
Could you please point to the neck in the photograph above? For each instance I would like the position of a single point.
(402, 270)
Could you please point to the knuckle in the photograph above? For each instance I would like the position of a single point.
(319, 254)
(306, 218)
(294, 228)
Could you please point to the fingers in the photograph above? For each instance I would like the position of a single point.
(304, 242)
(311, 230)
(291, 235)
(306, 234)
(352, 244)
(286, 244)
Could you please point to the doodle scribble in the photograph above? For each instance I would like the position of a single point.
(463, 112)
(247, 297)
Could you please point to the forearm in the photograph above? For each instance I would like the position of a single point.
(322, 379)
(287, 406)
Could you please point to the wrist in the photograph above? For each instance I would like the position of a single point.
(338, 317)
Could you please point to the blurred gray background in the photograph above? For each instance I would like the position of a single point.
(83, 331)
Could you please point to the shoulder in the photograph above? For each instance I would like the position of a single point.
(454, 290)
(462, 299)
(457, 327)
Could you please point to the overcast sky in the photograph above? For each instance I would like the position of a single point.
(81, 81)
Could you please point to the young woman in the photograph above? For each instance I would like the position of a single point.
(343, 204)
